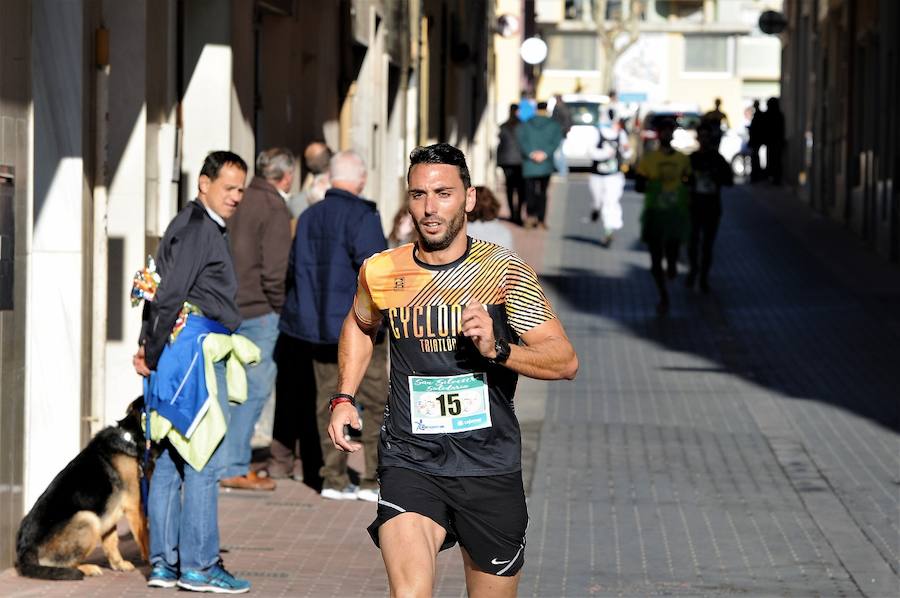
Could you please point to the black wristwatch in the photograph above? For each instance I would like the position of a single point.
(502, 349)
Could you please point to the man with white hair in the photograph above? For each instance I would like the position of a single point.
(260, 238)
(333, 238)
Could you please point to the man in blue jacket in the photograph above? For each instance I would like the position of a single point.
(333, 239)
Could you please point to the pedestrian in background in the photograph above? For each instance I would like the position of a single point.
(538, 138)
(756, 132)
(260, 241)
(198, 289)
(773, 137)
(316, 156)
(509, 158)
(607, 181)
(710, 172)
(665, 221)
(563, 115)
(527, 106)
(716, 116)
(403, 230)
(293, 432)
(483, 222)
(333, 239)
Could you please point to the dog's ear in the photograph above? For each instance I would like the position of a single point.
(132, 414)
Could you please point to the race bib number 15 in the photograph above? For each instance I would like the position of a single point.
(449, 404)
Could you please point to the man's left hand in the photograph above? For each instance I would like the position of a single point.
(139, 361)
(478, 325)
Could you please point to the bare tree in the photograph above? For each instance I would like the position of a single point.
(617, 33)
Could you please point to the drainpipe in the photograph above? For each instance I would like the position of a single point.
(99, 257)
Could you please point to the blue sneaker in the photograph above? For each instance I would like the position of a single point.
(216, 580)
(162, 576)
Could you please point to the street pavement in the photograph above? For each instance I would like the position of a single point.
(745, 444)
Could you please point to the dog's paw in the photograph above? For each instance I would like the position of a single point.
(122, 565)
(90, 570)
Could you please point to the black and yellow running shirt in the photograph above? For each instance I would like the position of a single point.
(450, 411)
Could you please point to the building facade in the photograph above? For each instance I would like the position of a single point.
(687, 53)
(107, 110)
(841, 89)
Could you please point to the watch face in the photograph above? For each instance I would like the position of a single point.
(501, 347)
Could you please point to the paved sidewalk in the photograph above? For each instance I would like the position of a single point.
(747, 444)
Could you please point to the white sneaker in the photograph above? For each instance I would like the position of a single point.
(348, 493)
(368, 495)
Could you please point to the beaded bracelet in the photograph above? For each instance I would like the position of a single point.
(338, 398)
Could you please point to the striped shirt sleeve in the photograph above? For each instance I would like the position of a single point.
(526, 304)
(364, 307)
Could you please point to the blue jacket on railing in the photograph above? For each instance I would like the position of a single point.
(334, 237)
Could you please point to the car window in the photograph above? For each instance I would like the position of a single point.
(685, 120)
(584, 113)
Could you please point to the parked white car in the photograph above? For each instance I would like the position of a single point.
(587, 113)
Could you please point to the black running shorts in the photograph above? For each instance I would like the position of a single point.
(486, 515)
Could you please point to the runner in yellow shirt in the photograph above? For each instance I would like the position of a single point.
(665, 221)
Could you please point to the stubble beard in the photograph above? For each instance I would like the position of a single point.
(453, 227)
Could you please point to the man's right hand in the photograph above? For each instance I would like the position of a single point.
(537, 156)
(139, 361)
(344, 414)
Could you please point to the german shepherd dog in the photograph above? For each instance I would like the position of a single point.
(83, 504)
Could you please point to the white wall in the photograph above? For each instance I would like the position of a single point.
(55, 279)
(206, 107)
(127, 134)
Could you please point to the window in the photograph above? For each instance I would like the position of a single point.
(688, 10)
(614, 10)
(571, 52)
(579, 10)
(706, 54)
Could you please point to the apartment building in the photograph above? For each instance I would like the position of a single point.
(688, 52)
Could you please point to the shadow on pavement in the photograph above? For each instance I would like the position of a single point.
(776, 316)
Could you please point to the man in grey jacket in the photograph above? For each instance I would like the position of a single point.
(260, 238)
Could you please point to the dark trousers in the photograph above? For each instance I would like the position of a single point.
(536, 196)
(756, 170)
(704, 226)
(659, 250)
(773, 162)
(371, 395)
(515, 191)
(295, 433)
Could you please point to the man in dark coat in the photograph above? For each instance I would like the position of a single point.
(198, 288)
(334, 237)
(774, 139)
(756, 133)
(509, 158)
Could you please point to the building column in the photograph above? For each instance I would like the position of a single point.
(54, 341)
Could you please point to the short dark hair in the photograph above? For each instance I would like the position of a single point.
(440, 153)
(216, 160)
(542, 105)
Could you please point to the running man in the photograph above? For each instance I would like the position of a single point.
(466, 317)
